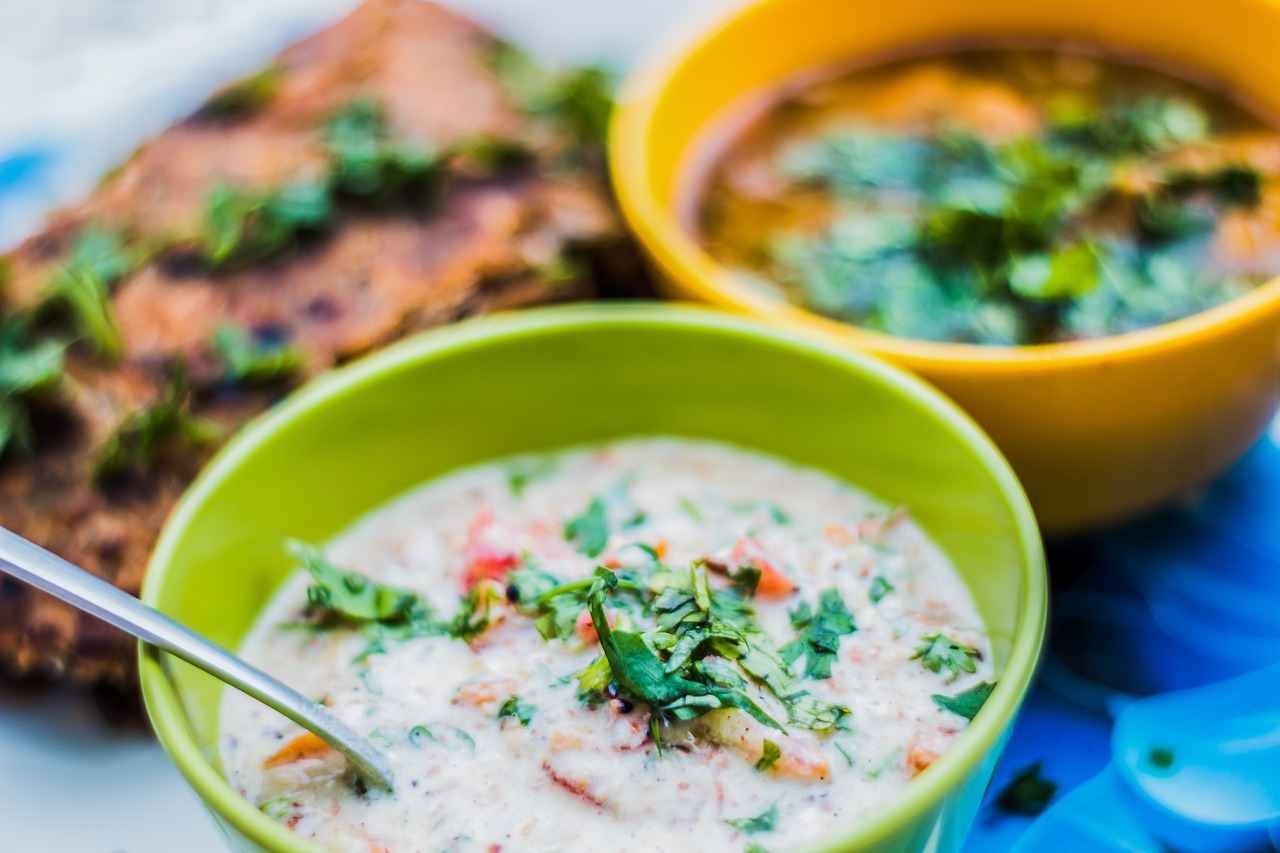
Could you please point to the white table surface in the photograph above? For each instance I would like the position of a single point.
(91, 79)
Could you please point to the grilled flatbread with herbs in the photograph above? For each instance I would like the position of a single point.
(397, 171)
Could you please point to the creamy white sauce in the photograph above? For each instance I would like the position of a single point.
(581, 778)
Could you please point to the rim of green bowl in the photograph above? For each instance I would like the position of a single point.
(984, 734)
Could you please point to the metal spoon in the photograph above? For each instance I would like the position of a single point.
(28, 562)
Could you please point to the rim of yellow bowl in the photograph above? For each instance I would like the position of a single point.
(679, 255)
(928, 791)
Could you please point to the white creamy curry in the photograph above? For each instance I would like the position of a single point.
(654, 644)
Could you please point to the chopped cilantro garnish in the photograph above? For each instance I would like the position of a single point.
(28, 369)
(1028, 792)
(351, 596)
(763, 822)
(593, 679)
(937, 651)
(769, 508)
(251, 360)
(513, 707)
(139, 439)
(490, 153)
(589, 531)
(472, 618)
(527, 583)
(577, 102)
(753, 847)
(367, 163)
(82, 286)
(941, 234)
(242, 226)
(683, 693)
(889, 762)
(244, 97)
(879, 589)
(819, 633)
(521, 474)
(769, 756)
(809, 712)
(418, 734)
(844, 751)
(691, 510)
(967, 703)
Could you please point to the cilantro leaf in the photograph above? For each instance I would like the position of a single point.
(513, 707)
(527, 584)
(250, 360)
(82, 287)
(967, 703)
(472, 617)
(879, 589)
(819, 633)
(244, 97)
(1028, 793)
(577, 101)
(858, 158)
(937, 651)
(589, 531)
(349, 595)
(1066, 273)
(769, 756)
(243, 226)
(641, 674)
(368, 164)
(807, 711)
(418, 734)
(763, 822)
(28, 369)
(523, 473)
(593, 680)
(135, 444)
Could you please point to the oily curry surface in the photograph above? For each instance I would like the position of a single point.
(999, 196)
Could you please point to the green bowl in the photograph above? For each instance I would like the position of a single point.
(549, 378)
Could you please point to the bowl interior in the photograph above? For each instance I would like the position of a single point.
(551, 378)
(672, 120)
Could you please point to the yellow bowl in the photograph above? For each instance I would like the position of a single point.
(1097, 430)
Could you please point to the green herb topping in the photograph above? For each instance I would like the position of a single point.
(576, 102)
(368, 163)
(29, 369)
(763, 822)
(820, 631)
(244, 97)
(135, 444)
(1028, 792)
(1090, 224)
(879, 589)
(521, 711)
(251, 360)
(938, 651)
(968, 702)
(769, 756)
(590, 530)
(81, 288)
(349, 595)
(242, 226)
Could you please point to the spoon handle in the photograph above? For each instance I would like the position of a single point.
(44, 570)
